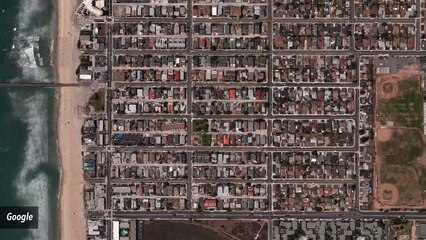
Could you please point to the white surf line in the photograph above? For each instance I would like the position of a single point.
(34, 191)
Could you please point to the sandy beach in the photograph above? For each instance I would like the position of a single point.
(72, 219)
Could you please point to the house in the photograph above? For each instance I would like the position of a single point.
(210, 203)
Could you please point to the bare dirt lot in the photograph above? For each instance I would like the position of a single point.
(175, 230)
(206, 230)
(240, 230)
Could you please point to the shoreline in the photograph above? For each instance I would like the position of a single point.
(65, 56)
(54, 64)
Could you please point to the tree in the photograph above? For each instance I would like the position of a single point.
(318, 209)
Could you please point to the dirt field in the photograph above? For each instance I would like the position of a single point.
(403, 148)
(399, 148)
(388, 88)
(405, 109)
(383, 80)
(406, 180)
(175, 230)
(387, 84)
(389, 194)
(399, 184)
(384, 134)
(399, 100)
(206, 230)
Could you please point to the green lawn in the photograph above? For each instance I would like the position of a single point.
(404, 147)
(405, 178)
(97, 101)
(399, 164)
(200, 125)
(206, 139)
(407, 229)
(405, 110)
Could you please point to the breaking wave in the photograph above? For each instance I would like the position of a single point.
(25, 51)
(31, 184)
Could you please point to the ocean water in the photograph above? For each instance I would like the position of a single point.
(29, 168)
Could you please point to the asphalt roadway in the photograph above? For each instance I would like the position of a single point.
(267, 215)
(232, 52)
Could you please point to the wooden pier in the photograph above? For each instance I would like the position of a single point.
(46, 85)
